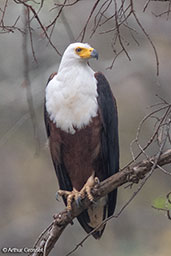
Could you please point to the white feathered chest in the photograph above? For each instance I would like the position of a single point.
(71, 97)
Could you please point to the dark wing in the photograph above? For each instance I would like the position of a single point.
(56, 151)
(109, 153)
(109, 136)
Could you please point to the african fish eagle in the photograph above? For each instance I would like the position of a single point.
(82, 126)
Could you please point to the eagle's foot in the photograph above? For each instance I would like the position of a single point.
(77, 196)
(71, 196)
(86, 190)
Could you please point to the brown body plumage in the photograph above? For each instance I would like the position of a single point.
(80, 151)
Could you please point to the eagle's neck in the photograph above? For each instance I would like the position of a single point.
(71, 97)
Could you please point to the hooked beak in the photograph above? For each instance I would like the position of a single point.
(94, 54)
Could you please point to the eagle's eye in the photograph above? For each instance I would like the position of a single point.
(78, 49)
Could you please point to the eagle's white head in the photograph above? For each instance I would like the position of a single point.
(71, 96)
(77, 53)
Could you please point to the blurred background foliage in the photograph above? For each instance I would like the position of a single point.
(28, 183)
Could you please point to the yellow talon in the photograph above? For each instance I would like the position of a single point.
(77, 195)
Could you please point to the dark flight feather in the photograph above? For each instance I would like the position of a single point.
(110, 139)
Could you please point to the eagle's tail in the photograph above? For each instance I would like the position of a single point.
(93, 217)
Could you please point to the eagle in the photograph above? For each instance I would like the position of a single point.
(81, 121)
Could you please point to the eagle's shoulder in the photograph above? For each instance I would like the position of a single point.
(103, 86)
(106, 99)
(51, 77)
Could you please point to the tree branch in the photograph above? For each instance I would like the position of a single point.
(131, 173)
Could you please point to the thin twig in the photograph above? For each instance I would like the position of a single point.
(39, 22)
(82, 33)
(147, 36)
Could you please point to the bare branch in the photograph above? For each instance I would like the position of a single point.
(64, 4)
(39, 22)
(122, 11)
(27, 80)
(147, 36)
(3, 13)
(135, 180)
(82, 33)
(128, 174)
(118, 32)
(55, 19)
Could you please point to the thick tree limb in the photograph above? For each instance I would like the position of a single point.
(131, 173)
